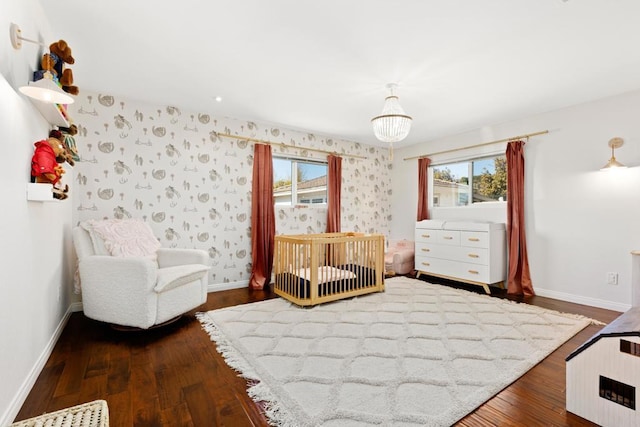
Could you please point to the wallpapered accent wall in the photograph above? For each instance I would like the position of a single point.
(172, 169)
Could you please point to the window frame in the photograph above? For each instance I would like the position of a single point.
(294, 182)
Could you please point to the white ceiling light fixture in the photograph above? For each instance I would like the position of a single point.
(45, 89)
(393, 125)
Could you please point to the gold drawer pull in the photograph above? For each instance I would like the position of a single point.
(474, 239)
(425, 250)
(426, 235)
(474, 272)
(473, 256)
(447, 237)
(426, 263)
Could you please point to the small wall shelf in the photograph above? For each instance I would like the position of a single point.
(51, 113)
(40, 192)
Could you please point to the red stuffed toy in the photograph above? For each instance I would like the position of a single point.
(44, 163)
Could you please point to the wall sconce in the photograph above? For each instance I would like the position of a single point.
(613, 163)
(45, 89)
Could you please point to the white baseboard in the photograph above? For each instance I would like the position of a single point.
(578, 299)
(76, 307)
(19, 398)
(217, 287)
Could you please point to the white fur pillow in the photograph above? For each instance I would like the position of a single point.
(126, 237)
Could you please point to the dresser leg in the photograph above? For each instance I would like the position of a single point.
(486, 289)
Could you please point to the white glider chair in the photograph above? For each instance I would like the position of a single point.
(128, 280)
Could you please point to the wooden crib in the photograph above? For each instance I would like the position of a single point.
(310, 269)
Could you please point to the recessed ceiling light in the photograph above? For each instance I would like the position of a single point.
(218, 99)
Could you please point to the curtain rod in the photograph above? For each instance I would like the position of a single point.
(527, 135)
(282, 144)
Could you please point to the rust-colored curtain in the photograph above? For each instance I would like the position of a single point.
(334, 183)
(423, 188)
(519, 278)
(263, 220)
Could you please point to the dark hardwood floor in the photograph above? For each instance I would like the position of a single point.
(173, 376)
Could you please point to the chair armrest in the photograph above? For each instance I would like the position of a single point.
(119, 290)
(172, 257)
(118, 274)
(402, 255)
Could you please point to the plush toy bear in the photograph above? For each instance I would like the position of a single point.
(68, 138)
(54, 62)
(63, 154)
(45, 167)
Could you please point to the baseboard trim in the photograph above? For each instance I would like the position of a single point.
(578, 299)
(217, 287)
(76, 307)
(20, 397)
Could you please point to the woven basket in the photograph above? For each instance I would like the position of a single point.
(91, 414)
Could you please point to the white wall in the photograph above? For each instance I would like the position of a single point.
(34, 256)
(581, 223)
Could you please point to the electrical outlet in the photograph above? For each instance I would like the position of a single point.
(612, 278)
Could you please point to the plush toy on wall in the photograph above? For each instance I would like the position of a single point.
(54, 62)
(69, 140)
(45, 167)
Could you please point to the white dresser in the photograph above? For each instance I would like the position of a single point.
(470, 252)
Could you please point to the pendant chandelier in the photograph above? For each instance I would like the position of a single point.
(393, 124)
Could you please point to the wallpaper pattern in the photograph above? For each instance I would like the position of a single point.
(172, 169)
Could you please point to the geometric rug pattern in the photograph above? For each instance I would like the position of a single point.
(418, 354)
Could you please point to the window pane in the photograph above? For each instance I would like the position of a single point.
(312, 182)
(490, 180)
(451, 185)
(282, 181)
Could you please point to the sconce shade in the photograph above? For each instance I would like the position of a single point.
(46, 90)
(613, 163)
(393, 124)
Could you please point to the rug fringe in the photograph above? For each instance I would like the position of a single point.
(276, 414)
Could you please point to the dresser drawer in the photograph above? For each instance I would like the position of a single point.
(454, 253)
(474, 272)
(448, 237)
(453, 269)
(426, 248)
(473, 255)
(426, 235)
(476, 239)
(425, 264)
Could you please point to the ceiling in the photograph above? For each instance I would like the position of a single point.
(322, 66)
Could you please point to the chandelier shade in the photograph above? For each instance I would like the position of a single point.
(393, 124)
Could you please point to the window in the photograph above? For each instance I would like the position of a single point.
(299, 182)
(469, 182)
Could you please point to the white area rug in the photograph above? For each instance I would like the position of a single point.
(416, 355)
